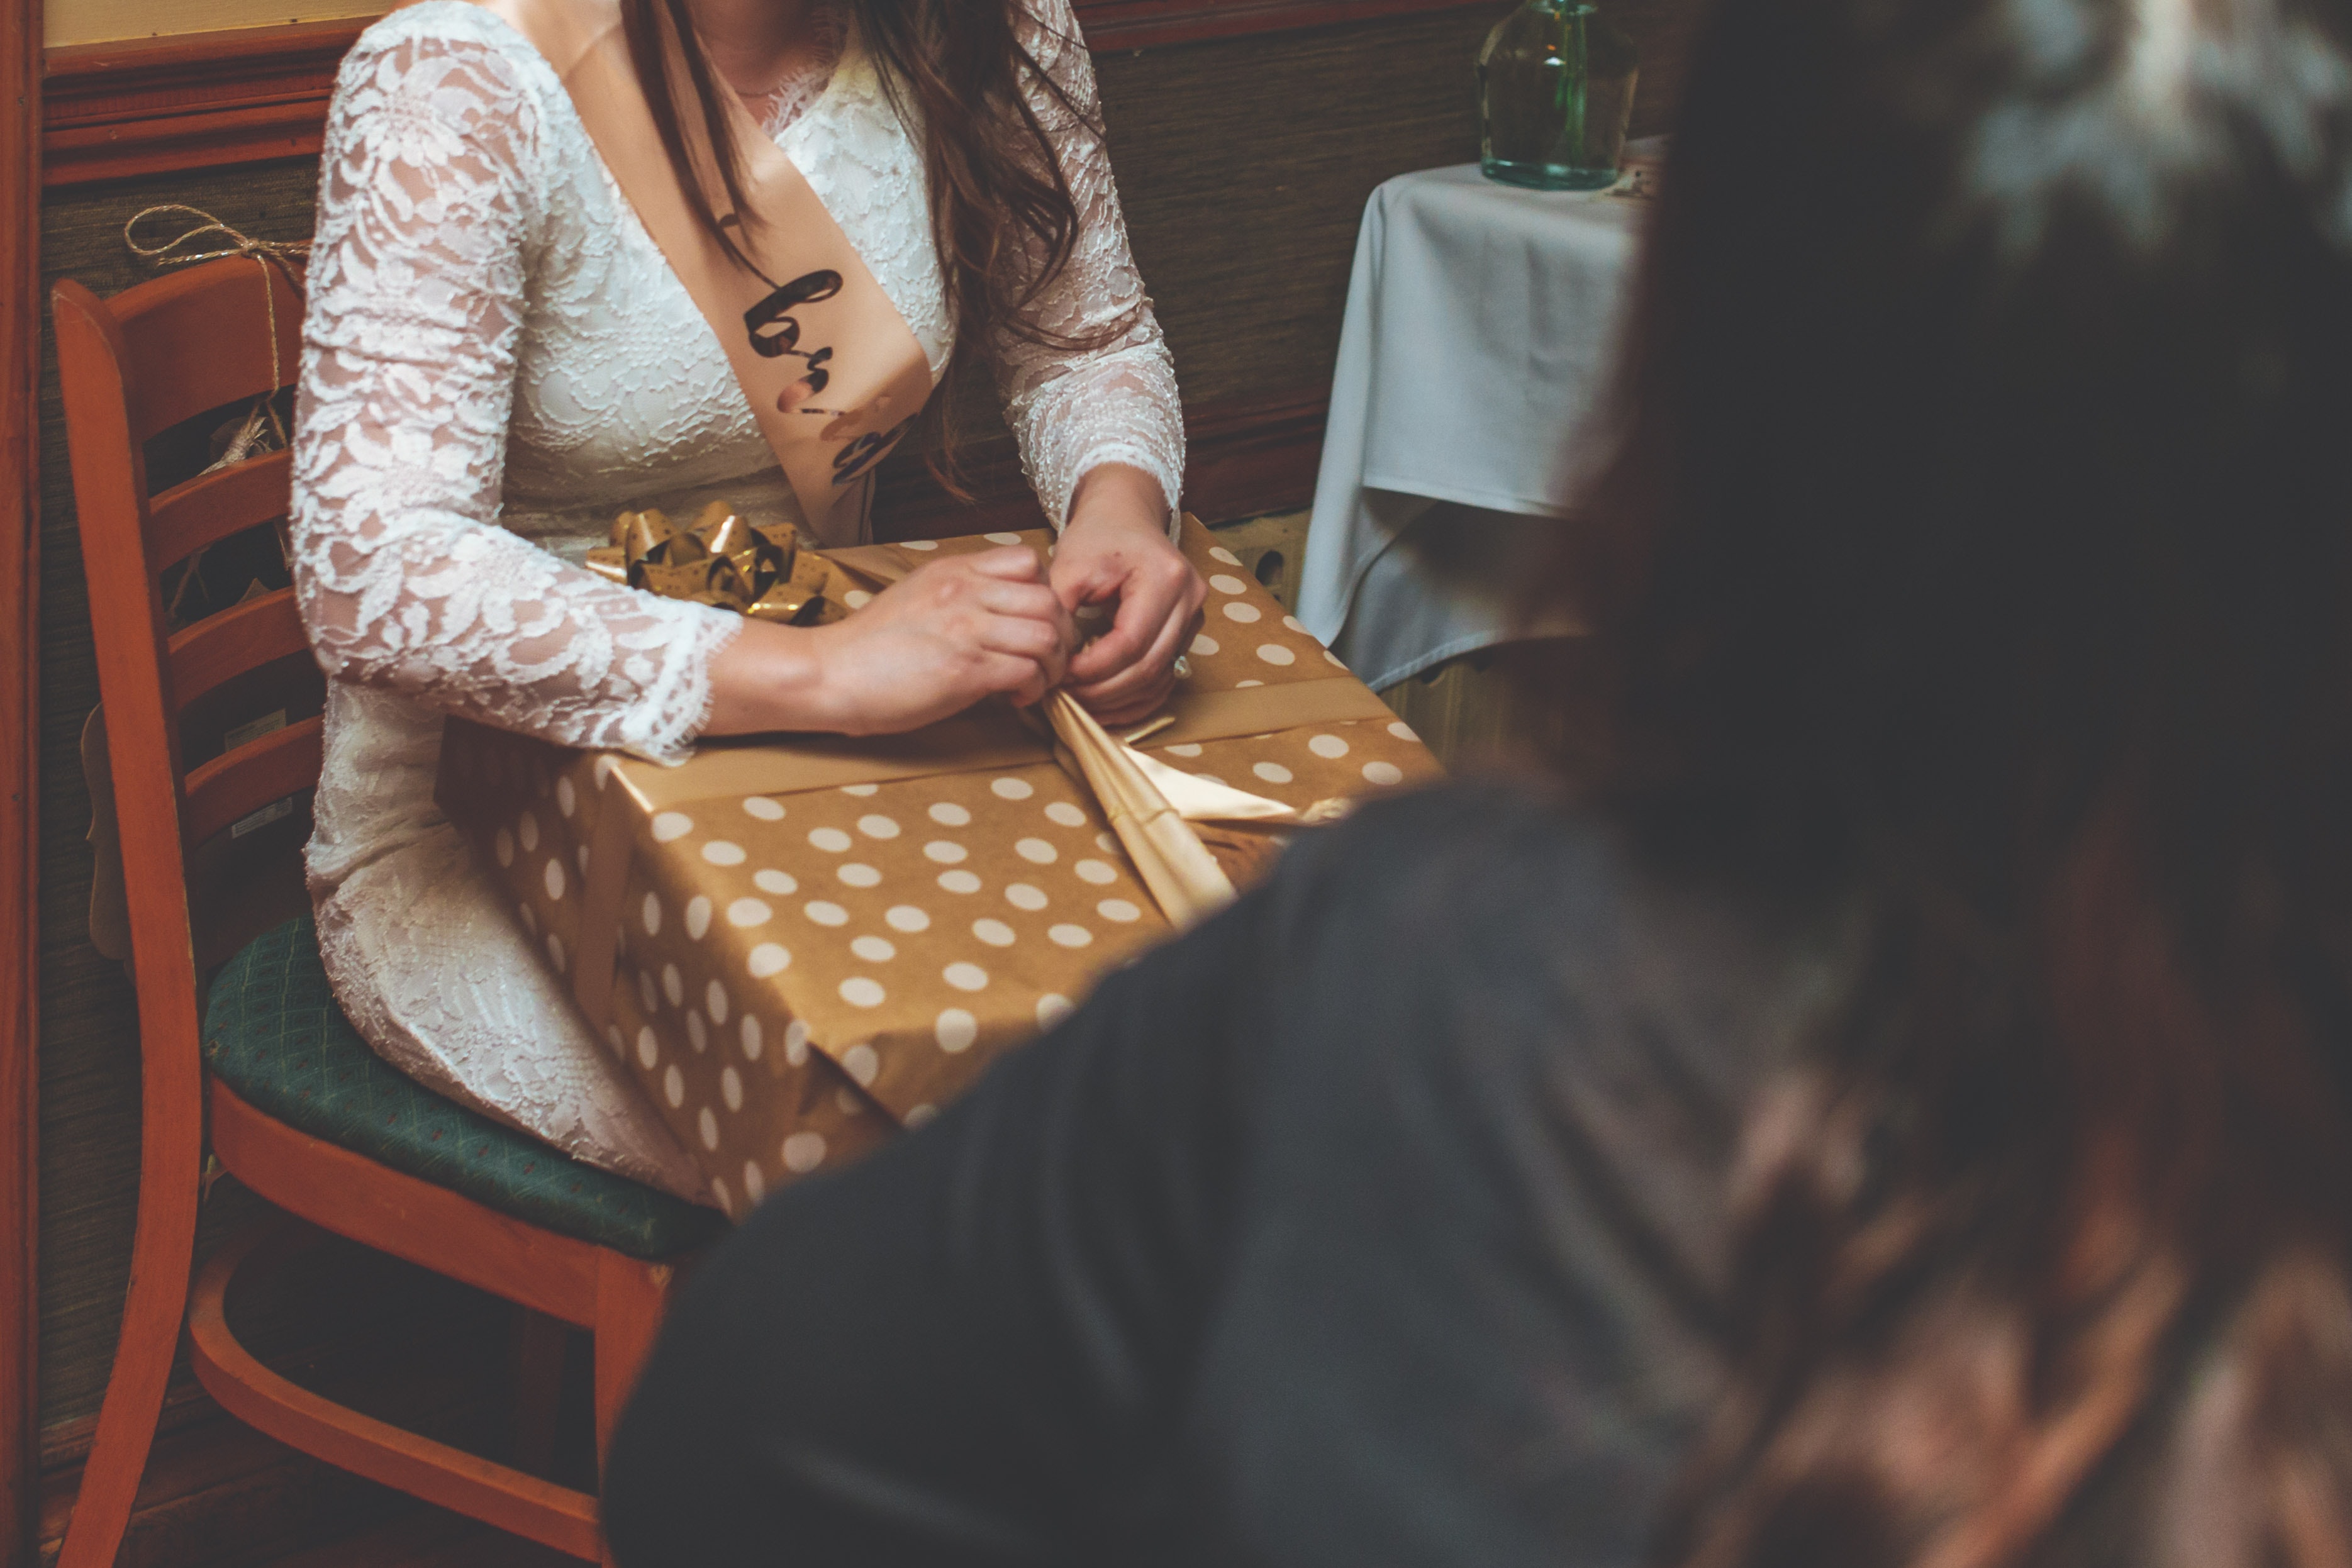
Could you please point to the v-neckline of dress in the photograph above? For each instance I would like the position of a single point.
(777, 122)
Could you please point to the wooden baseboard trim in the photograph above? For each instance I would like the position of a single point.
(202, 100)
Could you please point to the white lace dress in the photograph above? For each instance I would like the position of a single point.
(495, 360)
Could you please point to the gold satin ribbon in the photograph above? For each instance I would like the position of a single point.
(1146, 803)
(1184, 878)
(764, 573)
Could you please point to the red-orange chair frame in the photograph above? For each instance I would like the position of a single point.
(149, 358)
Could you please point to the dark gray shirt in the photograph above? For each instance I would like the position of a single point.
(1379, 1221)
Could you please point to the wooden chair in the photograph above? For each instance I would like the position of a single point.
(299, 1110)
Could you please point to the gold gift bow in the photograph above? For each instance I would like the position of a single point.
(765, 573)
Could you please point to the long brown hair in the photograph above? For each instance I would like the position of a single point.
(1003, 220)
(1978, 549)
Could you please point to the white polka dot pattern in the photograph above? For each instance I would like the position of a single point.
(799, 970)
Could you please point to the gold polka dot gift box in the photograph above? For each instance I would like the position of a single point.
(799, 945)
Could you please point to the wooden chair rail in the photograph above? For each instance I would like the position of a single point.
(227, 789)
(426, 1224)
(219, 648)
(107, 480)
(209, 507)
(542, 1510)
(182, 353)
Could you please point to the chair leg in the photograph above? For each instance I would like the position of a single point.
(162, 1251)
(630, 1299)
(540, 1342)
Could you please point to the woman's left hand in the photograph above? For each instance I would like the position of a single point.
(1116, 548)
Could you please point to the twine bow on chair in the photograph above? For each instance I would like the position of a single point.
(284, 253)
(287, 256)
(262, 429)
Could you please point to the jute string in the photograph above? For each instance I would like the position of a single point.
(262, 431)
(283, 255)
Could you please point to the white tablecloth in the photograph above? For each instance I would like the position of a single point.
(1479, 336)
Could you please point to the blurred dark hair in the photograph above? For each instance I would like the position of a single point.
(1977, 557)
(1003, 220)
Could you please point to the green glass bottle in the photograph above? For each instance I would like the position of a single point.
(1555, 91)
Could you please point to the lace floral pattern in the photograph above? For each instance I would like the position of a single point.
(417, 289)
(496, 358)
(1116, 404)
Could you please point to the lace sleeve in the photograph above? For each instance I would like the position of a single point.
(1074, 410)
(417, 286)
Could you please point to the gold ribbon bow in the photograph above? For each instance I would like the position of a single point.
(721, 560)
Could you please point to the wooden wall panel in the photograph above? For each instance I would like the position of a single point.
(20, 153)
(1245, 166)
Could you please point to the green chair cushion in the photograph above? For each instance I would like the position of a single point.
(274, 1034)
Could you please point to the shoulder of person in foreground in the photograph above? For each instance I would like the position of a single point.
(1492, 887)
(1485, 938)
(1456, 1092)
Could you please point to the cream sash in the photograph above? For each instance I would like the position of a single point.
(834, 373)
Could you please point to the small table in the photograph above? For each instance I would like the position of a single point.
(1480, 334)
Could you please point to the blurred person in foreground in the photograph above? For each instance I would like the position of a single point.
(1888, 1105)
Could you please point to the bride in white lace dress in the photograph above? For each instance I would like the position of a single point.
(497, 358)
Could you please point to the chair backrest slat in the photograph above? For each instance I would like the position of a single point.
(199, 338)
(239, 784)
(220, 648)
(215, 503)
(187, 343)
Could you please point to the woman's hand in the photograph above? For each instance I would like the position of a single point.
(1116, 548)
(927, 647)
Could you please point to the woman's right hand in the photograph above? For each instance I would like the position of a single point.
(951, 632)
